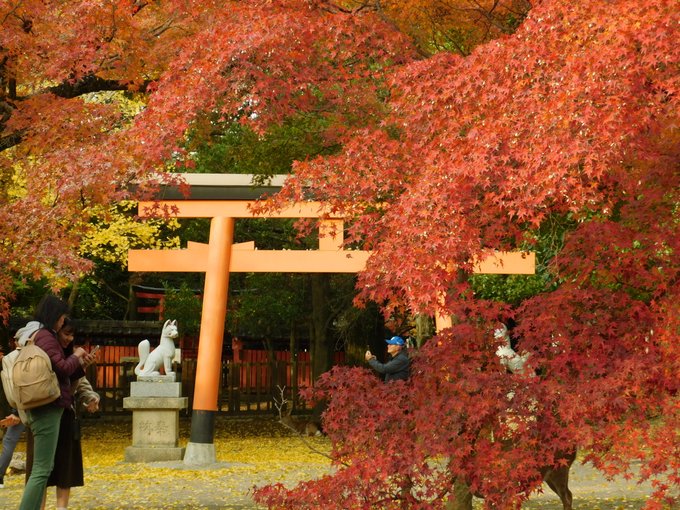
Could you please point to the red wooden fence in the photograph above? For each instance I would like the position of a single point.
(249, 384)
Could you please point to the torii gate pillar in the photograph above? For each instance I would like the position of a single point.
(201, 446)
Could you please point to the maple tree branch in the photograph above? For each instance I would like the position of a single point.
(88, 84)
(334, 8)
(492, 19)
(522, 10)
(26, 24)
(389, 21)
(10, 140)
(163, 27)
(8, 81)
(114, 27)
(138, 6)
(280, 406)
(68, 90)
(5, 111)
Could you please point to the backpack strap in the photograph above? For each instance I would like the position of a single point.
(31, 339)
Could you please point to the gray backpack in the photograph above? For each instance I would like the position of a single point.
(35, 383)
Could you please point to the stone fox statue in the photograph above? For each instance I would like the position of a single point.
(151, 362)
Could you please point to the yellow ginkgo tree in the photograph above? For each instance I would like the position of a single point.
(116, 229)
(111, 232)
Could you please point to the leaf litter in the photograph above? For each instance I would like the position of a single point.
(249, 453)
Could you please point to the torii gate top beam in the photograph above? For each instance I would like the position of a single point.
(236, 209)
(232, 195)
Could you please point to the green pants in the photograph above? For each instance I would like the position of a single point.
(44, 424)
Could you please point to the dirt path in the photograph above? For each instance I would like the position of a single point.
(592, 491)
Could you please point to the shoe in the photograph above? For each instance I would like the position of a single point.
(2, 483)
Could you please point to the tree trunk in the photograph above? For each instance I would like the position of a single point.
(294, 366)
(321, 349)
(271, 360)
(366, 331)
(131, 311)
(73, 294)
(424, 329)
(462, 498)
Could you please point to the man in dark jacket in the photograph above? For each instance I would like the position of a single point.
(398, 366)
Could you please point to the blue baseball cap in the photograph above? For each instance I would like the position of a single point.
(395, 340)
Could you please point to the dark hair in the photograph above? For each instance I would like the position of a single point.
(68, 325)
(50, 309)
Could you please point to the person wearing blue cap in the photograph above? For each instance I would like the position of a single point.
(399, 364)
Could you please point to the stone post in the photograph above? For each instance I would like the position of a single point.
(155, 402)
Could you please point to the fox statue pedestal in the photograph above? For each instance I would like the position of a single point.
(155, 402)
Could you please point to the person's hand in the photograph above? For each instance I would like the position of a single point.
(92, 406)
(89, 359)
(86, 359)
(10, 421)
(369, 355)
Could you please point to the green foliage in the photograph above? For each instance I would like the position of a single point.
(546, 242)
(511, 289)
(27, 293)
(268, 305)
(103, 293)
(236, 148)
(184, 305)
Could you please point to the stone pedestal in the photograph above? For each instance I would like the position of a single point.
(155, 402)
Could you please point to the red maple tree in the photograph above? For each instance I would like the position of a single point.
(574, 116)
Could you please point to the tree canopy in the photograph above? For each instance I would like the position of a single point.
(74, 137)
(437, 161)
(573, 116)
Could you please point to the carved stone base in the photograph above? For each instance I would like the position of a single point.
(155, 389)
(153, 453)
(158, 378)
(155, 428)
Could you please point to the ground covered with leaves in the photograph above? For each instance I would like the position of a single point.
(250, 453)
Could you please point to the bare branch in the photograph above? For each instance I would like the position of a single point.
(10, 140)
(88, 84)
(286, 420)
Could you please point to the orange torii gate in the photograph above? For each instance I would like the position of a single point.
(221, 256)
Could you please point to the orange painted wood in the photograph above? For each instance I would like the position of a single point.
(229, 208)
(194, 259)
(251, 261)
(507, 262)
(209, 362)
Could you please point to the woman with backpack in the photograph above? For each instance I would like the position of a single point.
(13, 422)
(44, 420)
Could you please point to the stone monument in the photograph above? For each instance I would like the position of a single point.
(155, 401)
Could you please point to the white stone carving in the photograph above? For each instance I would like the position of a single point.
(162, 356)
